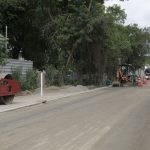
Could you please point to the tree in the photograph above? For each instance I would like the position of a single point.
(139, 39)
(3, 53)
(81, 36)
(11, 14)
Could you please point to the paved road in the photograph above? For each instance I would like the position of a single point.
(108, 119)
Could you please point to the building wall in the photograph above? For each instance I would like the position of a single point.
(14, 63)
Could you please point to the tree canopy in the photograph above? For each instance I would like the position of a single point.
(74, 35)
(3, 53)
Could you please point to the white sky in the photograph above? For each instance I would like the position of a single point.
(138, 11)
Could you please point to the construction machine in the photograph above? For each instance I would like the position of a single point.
(124, 74)
(8, 88)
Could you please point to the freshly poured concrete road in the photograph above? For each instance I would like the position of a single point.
(108, 119)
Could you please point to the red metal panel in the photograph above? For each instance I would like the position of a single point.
(9, 87)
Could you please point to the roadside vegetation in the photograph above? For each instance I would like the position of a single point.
(76, 42)
(27, 81)
(3, 53)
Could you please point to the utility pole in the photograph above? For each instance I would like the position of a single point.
(6, 38)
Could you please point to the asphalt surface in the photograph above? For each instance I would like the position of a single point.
(108, 119)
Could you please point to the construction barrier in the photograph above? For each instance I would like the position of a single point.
(144, 80)
(139, 82)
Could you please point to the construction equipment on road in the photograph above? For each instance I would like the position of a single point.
(124, 74)
(8, 89)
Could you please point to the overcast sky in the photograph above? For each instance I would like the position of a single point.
(138, 11)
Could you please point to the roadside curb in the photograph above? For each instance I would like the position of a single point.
(77, 93)
(47, 100)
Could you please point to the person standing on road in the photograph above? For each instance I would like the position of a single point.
(133, 78)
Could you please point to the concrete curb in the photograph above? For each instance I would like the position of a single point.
(46, 99)
(74, 94)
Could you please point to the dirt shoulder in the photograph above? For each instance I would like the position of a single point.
(28, 98)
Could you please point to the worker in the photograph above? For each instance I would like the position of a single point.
(133, 78)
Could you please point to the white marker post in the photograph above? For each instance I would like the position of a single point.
(41, 85)
(43, 101)
(6, 39)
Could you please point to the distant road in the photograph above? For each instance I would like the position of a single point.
(108, 119)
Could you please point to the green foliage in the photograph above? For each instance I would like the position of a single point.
(116, 14)
(147, 60)
(27, 81)
(30, 80)
(2, 41)
(3, 53)
(52, 75)
(78, 36)
(139, 39)
(17, 74)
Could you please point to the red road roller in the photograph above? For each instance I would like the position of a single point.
(8, 89)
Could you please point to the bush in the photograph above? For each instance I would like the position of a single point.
(27, 81)
(17, 74)
(51, 75)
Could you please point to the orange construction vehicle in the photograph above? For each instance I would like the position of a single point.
(123, 75)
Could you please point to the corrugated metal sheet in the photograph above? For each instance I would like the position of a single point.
(12, 64)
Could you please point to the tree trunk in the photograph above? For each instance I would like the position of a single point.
(64, 69)
(90, 5)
